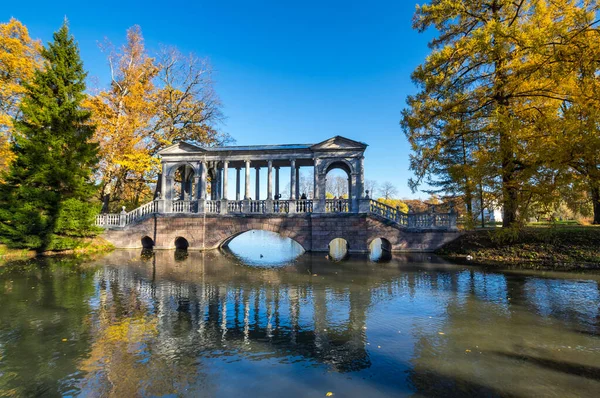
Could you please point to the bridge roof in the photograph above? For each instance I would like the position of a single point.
(337, 143)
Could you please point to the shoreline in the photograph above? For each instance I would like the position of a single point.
(553, 248)
(89, 247)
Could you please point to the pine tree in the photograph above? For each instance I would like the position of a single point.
(51, 174)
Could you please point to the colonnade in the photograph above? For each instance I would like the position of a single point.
(219, 181)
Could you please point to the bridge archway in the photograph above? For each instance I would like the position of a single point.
(339, 249)
(224, 243)
(338, 180)
(147, 243)
(380, 249)
(184, 187)
(181, 243)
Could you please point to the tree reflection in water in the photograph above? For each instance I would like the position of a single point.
(149, 325)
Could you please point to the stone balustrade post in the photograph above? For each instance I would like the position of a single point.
(411, 219)
(246, 206)
(364, 206)
(269, 206)
(201, 207)
(161, 205)
(123, 217)
(224, 206)
(292, 206)
(452, 216)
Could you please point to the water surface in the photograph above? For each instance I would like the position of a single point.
(208, 324)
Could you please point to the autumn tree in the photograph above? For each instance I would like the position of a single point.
(19, 59)
(123, 114)
(387, 190)
(578, 145)
(152, 102)
(488, 76)
(43, 202)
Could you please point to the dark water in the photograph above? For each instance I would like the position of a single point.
(208, 325)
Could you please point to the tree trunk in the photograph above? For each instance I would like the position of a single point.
(596, 203)
(509, 191)
(105, 202)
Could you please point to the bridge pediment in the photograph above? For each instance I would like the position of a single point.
(181, 148)
(339, 143)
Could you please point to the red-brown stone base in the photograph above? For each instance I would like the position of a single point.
(313, 231)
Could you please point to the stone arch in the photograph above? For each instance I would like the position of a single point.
(147, 242)
(222, 231)
(181, 243)
(172, 169)
(338, 249)
(380, 249)
(339, 163)
(224, 242)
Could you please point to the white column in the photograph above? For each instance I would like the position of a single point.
(270, 180)
(298, 182)
(315, 181)
(247, 195)
(277, 181)
(257, 184)
(237, 183)
(163, 182)
(293, 179)
(203, 173)
(225, 173)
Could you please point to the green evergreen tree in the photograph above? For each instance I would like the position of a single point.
(54, 155)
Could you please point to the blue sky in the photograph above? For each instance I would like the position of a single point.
(286, 73)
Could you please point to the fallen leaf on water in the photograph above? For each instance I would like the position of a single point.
(441, 333)
(329, 394)
(467, 350)
(64, 340)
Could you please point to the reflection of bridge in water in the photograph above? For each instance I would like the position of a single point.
(193, 202)
(459, 325)
(275, 313)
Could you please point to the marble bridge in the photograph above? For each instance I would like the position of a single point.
(194, 208)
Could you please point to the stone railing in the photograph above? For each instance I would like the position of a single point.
(212, 206)
(141, 212)
(182, 206)
(256, 206)
(428, 220)
(235, 206)
(281, 206)
(388, 212)
(304, 206)
(108, 220)
(432, 220)
(337, 206)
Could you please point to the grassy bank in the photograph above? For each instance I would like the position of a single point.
(567, 248)
(86, 247)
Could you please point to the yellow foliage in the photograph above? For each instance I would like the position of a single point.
(19, 59)
(395, 203)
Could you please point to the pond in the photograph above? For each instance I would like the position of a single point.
(224, 324)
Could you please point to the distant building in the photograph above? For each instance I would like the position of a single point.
(491, 213)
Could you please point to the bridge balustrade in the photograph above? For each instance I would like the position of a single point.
(388, 212)
(304, 206)
(337, 206)
(108, 220)
(257, 206)
(428, 220)
(181, 206)
(212, 206)
(235, 206)
(281, 206)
